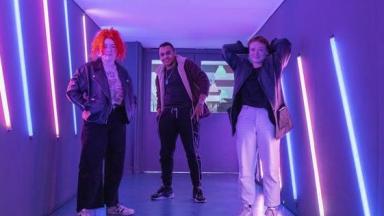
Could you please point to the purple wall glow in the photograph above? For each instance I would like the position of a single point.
(380, 55)
(309, 25)
(40, 173)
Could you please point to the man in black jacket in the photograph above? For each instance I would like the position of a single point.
(182, 88)
(259, 116)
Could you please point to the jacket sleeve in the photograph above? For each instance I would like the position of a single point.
(280, 52)
(77, 88)
(157, 82)
(230, 54)
(198, 76)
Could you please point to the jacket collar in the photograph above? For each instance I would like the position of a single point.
(100, 77)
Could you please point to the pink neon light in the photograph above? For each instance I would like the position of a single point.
(311, 137)
(50, 61)
(4, 100)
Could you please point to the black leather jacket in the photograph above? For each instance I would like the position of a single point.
(269, 79)
(89, 90)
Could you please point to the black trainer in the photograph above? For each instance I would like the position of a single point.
(163, 193)
(198, 195)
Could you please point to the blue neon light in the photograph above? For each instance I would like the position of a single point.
(290, 157)
(351, 131)
(22, 67)
(69, 59)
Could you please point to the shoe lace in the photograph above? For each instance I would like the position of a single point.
(199, 194)
(120, 208)
(271, 210)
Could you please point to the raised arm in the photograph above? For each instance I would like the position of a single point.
(280, 52)
(231, 51)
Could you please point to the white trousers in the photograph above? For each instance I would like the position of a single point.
(255, 135)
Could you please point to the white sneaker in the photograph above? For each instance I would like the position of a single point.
(246, 211)
(119, 210)
(84, 212)
(271, 212)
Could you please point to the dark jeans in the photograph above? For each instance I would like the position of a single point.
(101, 143)
(172, 122)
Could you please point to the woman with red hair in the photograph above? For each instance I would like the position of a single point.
(102, 89)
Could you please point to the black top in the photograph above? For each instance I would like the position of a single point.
(175, 93)
(253, 95)
(251, 92)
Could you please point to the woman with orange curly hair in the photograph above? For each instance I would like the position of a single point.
(102, 89)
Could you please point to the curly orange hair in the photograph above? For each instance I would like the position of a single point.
(98, 43)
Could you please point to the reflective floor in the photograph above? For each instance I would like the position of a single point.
(221, 191)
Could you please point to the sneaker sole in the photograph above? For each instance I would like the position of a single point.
(163, 197)
(199, 201)
(118, 214)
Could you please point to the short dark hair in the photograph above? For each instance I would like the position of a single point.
(260, 39)
(167, 44)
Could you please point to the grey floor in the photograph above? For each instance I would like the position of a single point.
(221, 191)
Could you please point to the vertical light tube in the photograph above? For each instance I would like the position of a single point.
(69, 59)
(351, 130)
(4, 99)
(290, 157)
(85, 39)
(23, 70)
(310, 136)
(50, 62)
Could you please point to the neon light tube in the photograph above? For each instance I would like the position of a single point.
(69, 59)
(351, 130)
(22, 67)
(51, 72)
(310, 136)
(290, 156)
(85, 39)
(4, 100)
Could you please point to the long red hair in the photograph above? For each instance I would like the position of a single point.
(98, 43)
